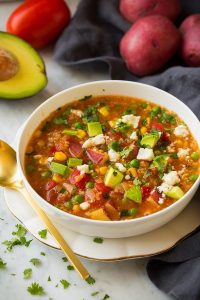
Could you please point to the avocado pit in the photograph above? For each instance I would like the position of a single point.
(9, 65)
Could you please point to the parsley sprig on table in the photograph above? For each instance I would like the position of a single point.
(20, 238)
(65, 283)
(35, 261)
(27, 273)
(2, 264)
(43, 233)
(36, 289)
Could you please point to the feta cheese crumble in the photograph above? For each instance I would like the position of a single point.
(164, 187)
(120, 167)
(77, 112)
(131, 119)
(182, 152)
(84, 169)
(171, 178)
(134, 136)
(113, 155)
(145, 154)
(181, 130)
(97, 140)
(161, 201)
(127, 177)
(84, 205)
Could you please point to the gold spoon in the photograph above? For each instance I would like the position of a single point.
(8, 167)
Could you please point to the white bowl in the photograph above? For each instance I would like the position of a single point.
(109, 229)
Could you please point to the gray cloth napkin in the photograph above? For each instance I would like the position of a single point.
(93, 36)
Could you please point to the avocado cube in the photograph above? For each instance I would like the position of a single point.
(73, 162)
(60, 169)
(150, 139)
(134, 194)
(113, 177)
(160, 162)
(94, 128)
(175, 193)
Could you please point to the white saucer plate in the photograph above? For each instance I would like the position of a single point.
(145, 245)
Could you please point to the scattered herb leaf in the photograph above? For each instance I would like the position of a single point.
(36, 289)
(94, 293)
(70, 268)
(98, 240)
(43, 233)
(49, 278)
(106, 297)
(64, 259)
(2, 264)
(90, 280)
(36, 261)
(27, 273)
(42, 253)
(65, 283)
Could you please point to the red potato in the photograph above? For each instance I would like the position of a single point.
(133, 10)
(189, 22)
(149, 44)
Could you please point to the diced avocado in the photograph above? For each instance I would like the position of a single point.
(73, 162)
(134, 194)
(70, 131)
(175, 193)
(94, 128)
(160, 162)
(113, 177)
(150, 139)
(60, 169)
(22, 71)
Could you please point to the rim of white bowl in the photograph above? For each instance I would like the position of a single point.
(99, 222)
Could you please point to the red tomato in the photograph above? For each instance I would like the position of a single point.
(101, 187)
(79, 180)
(50, 185)
(158, 126)
(146, 190)
(155, 195)
(39, 22)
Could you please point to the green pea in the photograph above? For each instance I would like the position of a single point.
(77, 199)
(135, 163)
(78, 125)
(68, 205)
(195, 156)
(89, 185)
(193, 177)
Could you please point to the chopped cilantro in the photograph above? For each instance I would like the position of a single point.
(13, 274)
(121, 126)
(70, 268)
(65, 283)
(64, 259)
(2, 264)
(1, 219)
(90, 114)
(59, 121)
(42, 253)
(36, 289)
(136, 181)
(106, 297)
(15, 241)
(144, 105)
(98, 240)
(126, 151)
(36, 261)
(129, 111)
(49, 278)
(27, 273)
(94, 293)
(115, 146)
(43, 233)
(90, 280)
(167, 118)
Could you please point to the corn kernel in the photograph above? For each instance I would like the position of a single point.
(81, 133)
(57, 178)
(59, 155)
(143, 130)
(179, 143)
(148, 121)
(43, 160)
(112, 123)
(104, 111)
(76, 208)
(37, 133)
(133, 172)
(103, 170)
(41, 143)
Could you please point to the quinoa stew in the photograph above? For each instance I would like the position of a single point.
(112, 158)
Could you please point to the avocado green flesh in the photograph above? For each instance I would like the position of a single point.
(150, 139)
(175, 193)
(31, 77)
(113, 178)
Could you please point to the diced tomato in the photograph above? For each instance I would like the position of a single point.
(50, 185)
(165, 137)
(75, 149)
(51, 196)
(155, 195)
(55, 148)
(94, 198)
(94, 156)
(146, 190)
(154, 171)
(101, 187)
(158, 126)
(79, 180)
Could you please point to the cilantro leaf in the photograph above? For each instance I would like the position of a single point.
(49, 278)
(19, 239)
(42, 253)
(90, 280)
(2, 264)
(21, 231)
(94, 293)
(36, 261)
(98, 240)
(90, 114)
(36, 289)
(65, 283)
(106, 297)
(64, 259)
(27, 273)
(126, 151)
(43, 233)
(70, 268)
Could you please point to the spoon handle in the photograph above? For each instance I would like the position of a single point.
(55, 233)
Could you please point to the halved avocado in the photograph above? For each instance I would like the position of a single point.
(22, 70)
